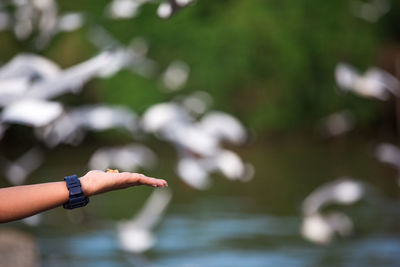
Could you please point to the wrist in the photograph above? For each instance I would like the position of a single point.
(86, 188)
(77, 197)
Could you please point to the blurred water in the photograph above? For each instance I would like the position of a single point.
(232, 223)
(219, 239)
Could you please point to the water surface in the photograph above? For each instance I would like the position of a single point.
(232, 223)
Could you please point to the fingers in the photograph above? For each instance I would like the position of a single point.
(159, 183)
(138, 179)
(149, 181)
(95, 182)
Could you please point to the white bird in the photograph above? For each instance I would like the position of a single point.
(372, 10)
(12, 89)
(136, 235)
(230, 165)
(374, 82)
(71, 127)
(196, 171)
(193, 172)
(337, 123)
(31, 112)
(70, 21)
(172, 122)
(39, 20)
(319, 226)
(176, 75)
(124, 9)
(17, 171)
(102, 117)
(199, 143)
(33, 220)
(71, 79)
(224, 127)
(65, 130)
(343, 191)
(31, 76)
(167, 8)
(34, 16)
(17, 76)
(191, 137)
(160, 117)
(207, 156)
(29, 66)
(128, 158)
(389, 154)
(321, 229)
(131, 57)
(196, 103)
(5, 20)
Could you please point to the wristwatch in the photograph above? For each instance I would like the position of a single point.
(76, 197)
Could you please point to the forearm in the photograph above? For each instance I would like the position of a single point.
(22, 201)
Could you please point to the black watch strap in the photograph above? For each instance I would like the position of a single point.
(76, 197)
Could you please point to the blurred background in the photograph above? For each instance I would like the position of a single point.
(275, 123)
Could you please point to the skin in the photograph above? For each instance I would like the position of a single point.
(18, 202)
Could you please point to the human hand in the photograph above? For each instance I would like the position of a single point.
(96, 182)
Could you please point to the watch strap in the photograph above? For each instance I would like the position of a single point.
(76, 197)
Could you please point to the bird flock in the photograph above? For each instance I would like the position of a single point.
(30, 85)
(320, 226)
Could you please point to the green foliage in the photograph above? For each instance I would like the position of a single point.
(269, 62)
(131, 90)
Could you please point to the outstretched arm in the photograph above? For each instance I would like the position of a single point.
(22, 201)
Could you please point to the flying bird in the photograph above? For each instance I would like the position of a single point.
(17, 171)
(374, 83)
(321, 229)
(223, 126)
(71, 127)
(136, 234)
(199, 142)
(319, 226)
(389, 154)
(129, 157)
(31, 112)
(337, 124)
(196, 171)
